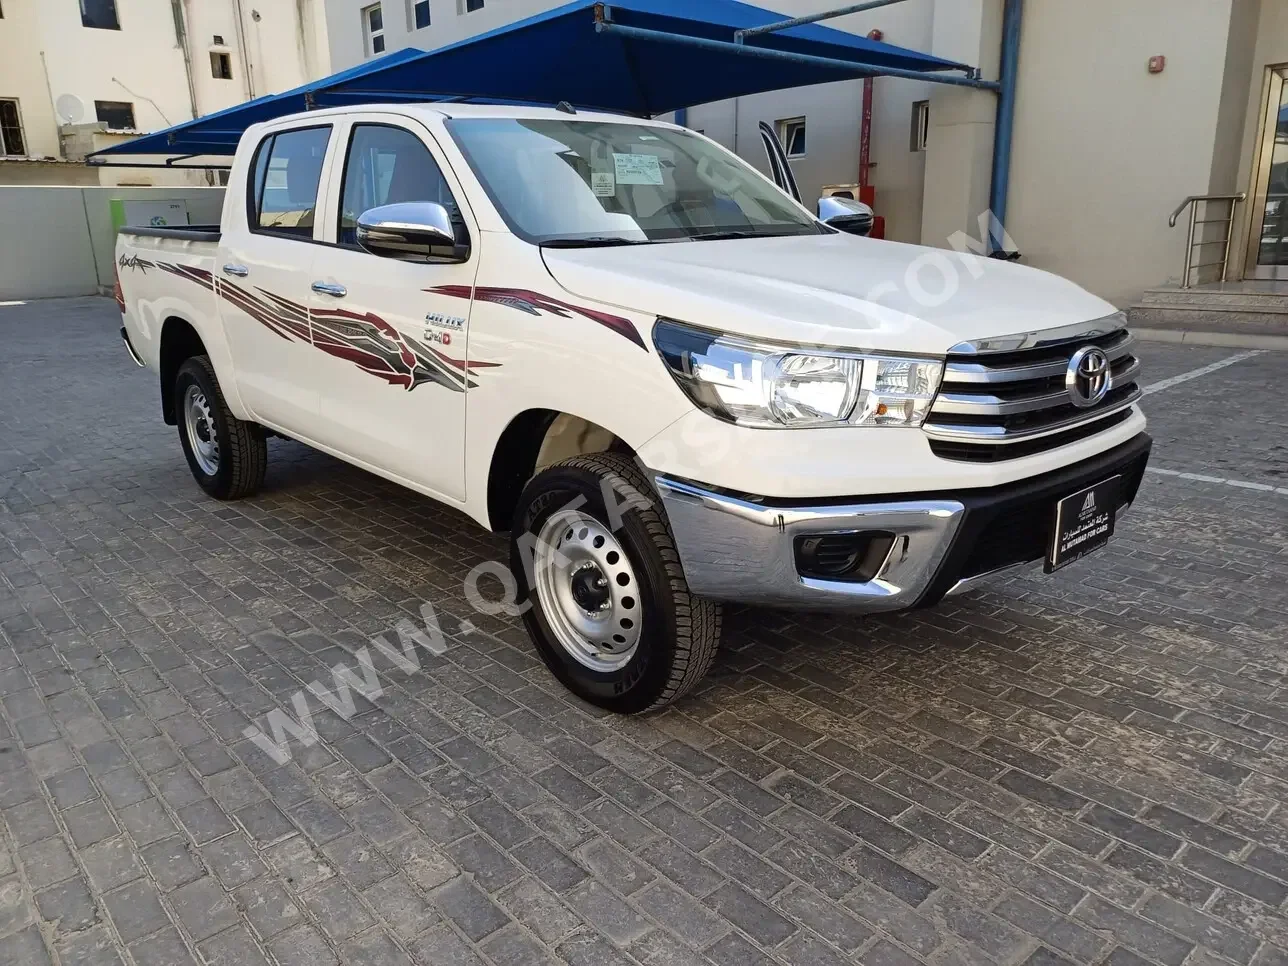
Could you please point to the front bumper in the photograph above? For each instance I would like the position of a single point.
(741, 548)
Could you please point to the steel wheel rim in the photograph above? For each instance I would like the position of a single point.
(588, 591)
(199, 423)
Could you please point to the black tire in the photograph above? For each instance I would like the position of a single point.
(680, 632)
(243, 449)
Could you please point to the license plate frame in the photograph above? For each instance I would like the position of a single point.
(1083, 523)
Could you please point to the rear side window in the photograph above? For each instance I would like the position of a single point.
(284, 189)
(388, 165)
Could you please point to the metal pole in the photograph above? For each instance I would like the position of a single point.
(999, 186)
(764, 53)
(1229, 237)
(740, 35)
(1189, 244)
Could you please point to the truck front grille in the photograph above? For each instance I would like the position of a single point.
(1003, 403)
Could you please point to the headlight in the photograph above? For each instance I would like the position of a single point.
(758, 384)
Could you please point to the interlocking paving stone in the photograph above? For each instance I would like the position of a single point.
(1086, 768)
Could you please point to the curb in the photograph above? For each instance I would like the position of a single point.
(1227, 339)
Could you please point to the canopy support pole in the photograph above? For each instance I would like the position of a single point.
(764, 53)
(739, 36)
(1005, 127)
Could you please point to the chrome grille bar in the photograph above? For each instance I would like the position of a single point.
(1022, 394)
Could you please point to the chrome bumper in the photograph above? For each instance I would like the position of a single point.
(736, 550)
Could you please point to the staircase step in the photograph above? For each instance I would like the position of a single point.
(1209, 318)
(1252, 301)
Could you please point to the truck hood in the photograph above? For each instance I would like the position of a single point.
(834, 290)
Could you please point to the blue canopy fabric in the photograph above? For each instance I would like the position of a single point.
(559, 55)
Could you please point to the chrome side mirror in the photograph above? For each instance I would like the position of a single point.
(845, 214)
(413, 231)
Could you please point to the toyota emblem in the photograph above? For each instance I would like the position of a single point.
(1087, 378)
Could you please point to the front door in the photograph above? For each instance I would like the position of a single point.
(263, 278)
(393, 364)
(1268, 242)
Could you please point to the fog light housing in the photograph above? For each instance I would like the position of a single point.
(852, 555)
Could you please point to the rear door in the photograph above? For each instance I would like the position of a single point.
(264, 269)
(392, 334)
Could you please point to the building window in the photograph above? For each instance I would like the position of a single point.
(420, 14)
(920, 126)
(791, 133)
(472, 5)
(100, 14)
(221, 65)
(11, 141)
(373, 25)
(117, 115)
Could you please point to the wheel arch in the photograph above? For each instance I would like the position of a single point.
(180, 341)
(533, 439)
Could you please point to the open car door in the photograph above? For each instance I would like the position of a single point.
(778, 166)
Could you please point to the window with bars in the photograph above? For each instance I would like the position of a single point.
(373, 26)
(11, 140)
(117, 115)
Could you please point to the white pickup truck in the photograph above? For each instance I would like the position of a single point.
(668, 381)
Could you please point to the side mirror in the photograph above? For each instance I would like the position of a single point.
(413, 231)
(845, 214)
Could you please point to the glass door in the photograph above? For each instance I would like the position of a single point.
(1268, 243)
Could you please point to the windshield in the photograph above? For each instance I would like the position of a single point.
(604, 182)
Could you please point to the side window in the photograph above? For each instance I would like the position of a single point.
(284, 193)
(388, 165)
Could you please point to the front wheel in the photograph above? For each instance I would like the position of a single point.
(607, 603)
(228, 456)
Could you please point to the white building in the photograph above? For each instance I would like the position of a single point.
(1123, 110)
(77, 75)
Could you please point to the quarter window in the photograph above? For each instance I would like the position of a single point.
(386, 166)
(11, 141)
(288, 168)
(100, 14)
(373, 25)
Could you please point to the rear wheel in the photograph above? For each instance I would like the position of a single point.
(609, 609)
(228, 456)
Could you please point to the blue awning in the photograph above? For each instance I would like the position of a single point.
(641, 57)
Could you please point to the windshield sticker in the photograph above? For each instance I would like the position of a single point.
(603, 184)
(638, 168)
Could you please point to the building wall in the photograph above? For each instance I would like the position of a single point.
(67, 243)
(46, 52)
(1104, 150)
(22, 75)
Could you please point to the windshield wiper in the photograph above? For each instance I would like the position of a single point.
(595, 241)
(742, 233)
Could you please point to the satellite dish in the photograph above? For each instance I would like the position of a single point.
(70, 109)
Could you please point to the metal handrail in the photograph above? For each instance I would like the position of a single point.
(1192, 203)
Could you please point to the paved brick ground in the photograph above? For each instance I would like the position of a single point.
(1091, 768)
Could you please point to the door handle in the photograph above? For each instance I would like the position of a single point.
(241, 271)
(326, 288)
